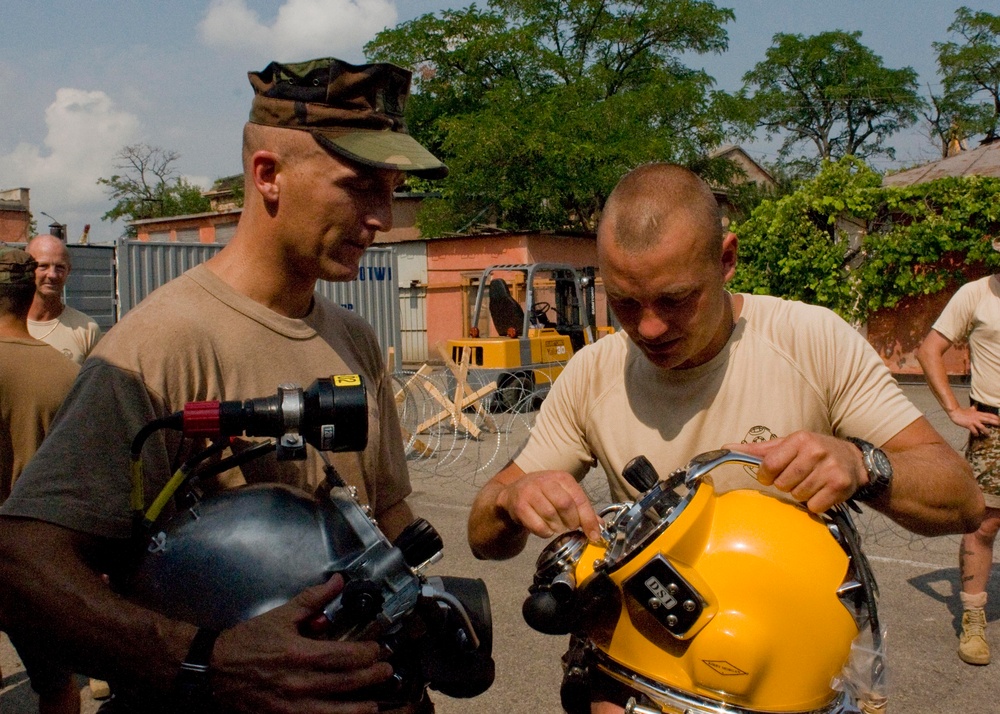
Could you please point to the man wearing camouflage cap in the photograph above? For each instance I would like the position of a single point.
(34, 380)
(323, 151)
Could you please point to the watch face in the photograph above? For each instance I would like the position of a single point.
(879, 470)
(880, 463)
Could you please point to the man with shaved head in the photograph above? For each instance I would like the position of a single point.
(50, 319)
(324, 149)
(697, 368)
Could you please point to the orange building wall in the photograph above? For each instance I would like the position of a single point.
(166, 228)
(14, 226)
(579, 252)
(448, 259)
(897, 333)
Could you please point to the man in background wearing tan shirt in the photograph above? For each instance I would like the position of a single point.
(50, 319)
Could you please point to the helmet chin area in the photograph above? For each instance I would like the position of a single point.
(706, 601)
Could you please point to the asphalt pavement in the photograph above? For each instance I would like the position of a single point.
(917, 577)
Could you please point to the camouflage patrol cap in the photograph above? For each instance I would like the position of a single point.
(16, 267)
(355, 111)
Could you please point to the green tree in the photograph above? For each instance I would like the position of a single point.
(149, 187)
(844, 241)
(539, 106)
(831, 91)
(951, 118)
(971, 69)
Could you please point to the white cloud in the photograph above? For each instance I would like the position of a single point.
(83, 132)
(197, 180)
(302, 29)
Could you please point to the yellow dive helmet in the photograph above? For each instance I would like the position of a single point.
(712, 602)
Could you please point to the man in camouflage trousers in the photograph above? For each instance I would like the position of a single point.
(973, 313)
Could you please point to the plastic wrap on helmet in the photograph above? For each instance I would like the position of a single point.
(864, 677)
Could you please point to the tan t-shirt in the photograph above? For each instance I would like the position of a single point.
(787, 367)
(973, 313)
(72, 333)
(34, 380)
(196, 339)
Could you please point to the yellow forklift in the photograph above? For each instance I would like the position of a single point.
(533, 341)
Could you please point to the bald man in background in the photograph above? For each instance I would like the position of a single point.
(50, 319)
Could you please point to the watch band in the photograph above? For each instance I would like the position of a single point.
(869, 492)
(193, 685)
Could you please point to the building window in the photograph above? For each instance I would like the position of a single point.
(224, 232)
(188, 235)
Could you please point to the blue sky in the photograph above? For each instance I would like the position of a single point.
(79, 80)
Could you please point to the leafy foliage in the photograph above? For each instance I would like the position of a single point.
(539, 106)
(832, 91)
(909, 239)
(952, 119)
(971, 69)
(149, 187)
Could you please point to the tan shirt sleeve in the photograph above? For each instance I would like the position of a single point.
(955, 321)
(973, 313)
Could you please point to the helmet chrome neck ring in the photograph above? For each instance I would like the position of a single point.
(671, 700)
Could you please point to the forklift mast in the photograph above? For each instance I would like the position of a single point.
(567, 305)
(573, 295)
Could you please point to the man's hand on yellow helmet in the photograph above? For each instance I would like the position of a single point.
(515, 504)
(547, 503)
(817, 470)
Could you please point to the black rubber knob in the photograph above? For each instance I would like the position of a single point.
(640, 474)
(419, 542)
(362, 600)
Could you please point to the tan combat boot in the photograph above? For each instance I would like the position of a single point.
(972, 646)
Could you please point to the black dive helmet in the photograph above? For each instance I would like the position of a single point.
(237, 554)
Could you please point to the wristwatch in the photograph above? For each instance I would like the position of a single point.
(879, 470)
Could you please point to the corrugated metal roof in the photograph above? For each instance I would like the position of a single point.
(982, 161)
(184, 217)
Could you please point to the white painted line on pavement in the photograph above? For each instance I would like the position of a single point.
(915, 563)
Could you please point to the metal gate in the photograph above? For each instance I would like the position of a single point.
(144, 266)
(90, 287)
(413, 324)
